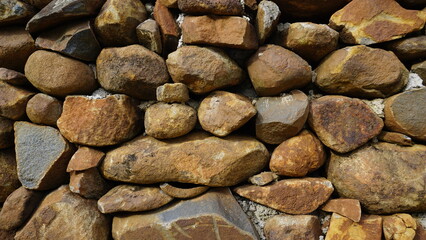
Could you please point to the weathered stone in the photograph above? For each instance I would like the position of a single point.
(400, 226)
(85, 158)
(409, 49)
(13, 101)
(267, 18)
(128, 198)
(58, 75)
(251, 4)
(394, 137)
(99, 122)
(7, 235)
(12, 77)
(8, 177)
(342, 228)
(42, 155)
(279, 227)
(367, 22)
(65, 215)
(197, 158)
(350, 208)
(60, 11)
(214, 215)
(116, 22)
(15, 12)
(233, 32)
(172, 92)
(88, 183)
(75, 39)
(38, 3)
(274, 69)
(131, 70)
(6, 133)
(298, 156)
(16, 44)
(203, 69)
(309, 9)
(184, 192)
(384, 177)
(149, 35)
(361, 71)
(18, 208)
(420, 232)
(44, 109)
(280, 118)
(294, 196)
(170, 3)
(420, 69)
(263, 178)
(219, 7)
(170, 30)
(343, 124)
(401, 115)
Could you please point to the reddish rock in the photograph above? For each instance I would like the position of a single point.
(172, 92)
(399, 227)
(15, 12)
(170, 31)
(350, 208)
(44, 109)
(219, 7)
(6, 133)
(12, 77)
(310, 9)
(13, 101)
(394, 137)
(267, 18)
(8, 177)
(85, 158)
(183, 192)
(342, 228)
(15, 43)
(279, 227)
(149, 35)
(88, 183)
(263, 178)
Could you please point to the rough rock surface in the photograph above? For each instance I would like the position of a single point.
(394, 137)
(350, 208)
(399, 227)
(15, 12)
(38, 3)
(12, 77)
(170, 30)
(420, 69)
(8, 177)
(6, 133)
(172, 92)
(149, 35)
(44, 109)
(267, 18)
(85, 158)
(183, 192)
(13, 101)
(409, 49)
(88, 183)
(263, 178)
(219, 7)
(342, 228)
(281, 227)
(17, 43)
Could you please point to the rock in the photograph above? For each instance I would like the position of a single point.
(361, 71)
(12, 77)
(203, 69)
(8, 177)
(267, 18)
(99, 122)
(401, 115)
(179, 191)
(368, 22)
(305, 227)
(169, 3)
(38, 3)
(232, 32)
(128, 198)
(60, 11)
(146, 160)
(88, 183)
(309, 40)
(6, 133)
(220, 7)
(399, 226)
(149, 35)
(172, 92)
(350, 208)
(15, 12)
(250, 4)
(85, 158)
(222, 112)
(263, 178)
(280, 118)
(420, 70)
(420, 232)
(342, 228)
(298, 156)
(13, 101)
(384, 177)
(170, 30)
(116, 22)
(15, 43)
(75, 39)
(7, 235)
(343, 124)
(42, 155)
(274, 69)
(59, 76)
(293, 196)
(394, 137)
(57, 218)
(309, 9)
(409, 49)
(213, 215)
(18, 208)
(44, 109)
(131, 70)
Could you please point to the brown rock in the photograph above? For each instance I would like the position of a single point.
(6, 133)
(99, 122)
(280, 118)
(57, 75)
(298, 156)
(44, 109)
(146, 160)
(222, 112)
(214, 215)
(8, 177)
(18, 208)
(394, 137)
(232, 32)
(57, 218)
(170, 3)
(267, 18)
(420, 69)
(219, 7)
(294, 196)
(401, 115)
(409, 49)
(12, 77)
(367, 22)
(399, 226)
(149, 35)
(85, 158)
(310, 9)
(88, 183)
(75, 39)
(179, 191)
(127, 198)
(263, 178)
(170, 31)
(13, 101)
(131, 70)
(350, 208)
(343, 124)
(39, 3)
(281, 227)
(15, 43)
(274, 69)
(342, 228)
(7, 235)
(251, 4)
(203, 69)
(15, 12)
(172, 92)
(420, 232)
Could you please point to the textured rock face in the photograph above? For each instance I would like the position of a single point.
(394, 137)
(99, 122)
(149, 35)
(39, 3)
(12, 77)
(88, 183)
(235, 159)
(85, 158)
(350, 208)
(420, 69)
(131, 70)
(172, 92)
(280, 227)
(267, 18)
(399, 226)
(342, 228)
(15, 12)
(203, 217)
(409, 49)
(170, 30)
(17, 43)
(6, 133)
(385, 178)
(263, 178)
(13, 101)
(44, 109)
(367, 22)
(183, 192)
(221, 7)
(8, 177)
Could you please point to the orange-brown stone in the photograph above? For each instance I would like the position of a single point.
(13, 101)
(85, 158)
(350, 208)
(342, 228)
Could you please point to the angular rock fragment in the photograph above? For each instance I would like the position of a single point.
(15, 43)
(85, 158)
(15, 12)
(281, 227)
(44, 109)
(170, 30)
(184, 192)
(409, 49)
(394, 137)
(399, 226)
(263, 178)
(309, 9)
(267, 18)
(88, 183)
(172, 92)
(6, 133)
(8, 176)
(149, 35)
(342, 228)
(13, 101)
(12, 77)
(219, 7)
(350, 208)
